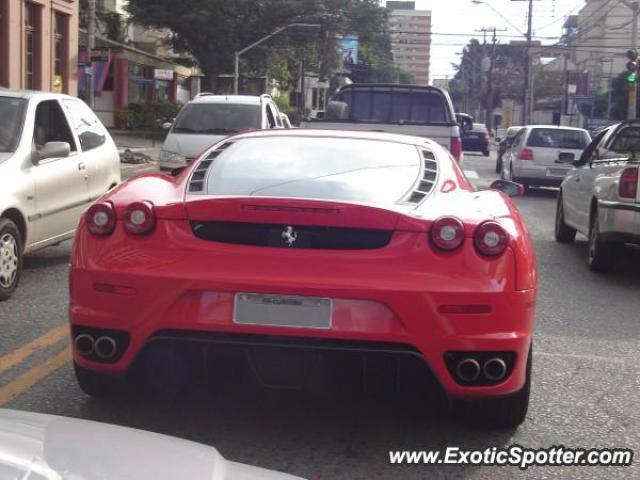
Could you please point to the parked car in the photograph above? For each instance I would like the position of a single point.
(405, 109)
(476, 139)
(56, 158)
(600, 197)
(312, 240)
(541, 155)
(207, 119)
(504, 144)
(39, 446)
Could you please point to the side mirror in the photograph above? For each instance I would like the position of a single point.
(167, 125)
(512, 189)
(52, 150)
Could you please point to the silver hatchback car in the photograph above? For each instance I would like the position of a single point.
(542, 155)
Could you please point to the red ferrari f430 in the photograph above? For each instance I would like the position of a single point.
(318, 240)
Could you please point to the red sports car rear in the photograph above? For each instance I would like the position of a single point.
(317, 239)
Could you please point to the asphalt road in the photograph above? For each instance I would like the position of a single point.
(586, 380)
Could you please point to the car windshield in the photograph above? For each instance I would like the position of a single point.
(217, 118)
(389, 106)
(626, 141)
(558, 138)
(11, 119)
(339, 169)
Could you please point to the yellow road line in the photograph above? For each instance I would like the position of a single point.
(27, 380)
(12, 359)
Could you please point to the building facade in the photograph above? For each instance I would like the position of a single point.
(410, 38)
(39, 45)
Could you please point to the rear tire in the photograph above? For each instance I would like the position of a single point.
(499, 166)
(504, 412)
(486, 153)
(563, 232)
(10, 258)
(601, 255)
(97, 385)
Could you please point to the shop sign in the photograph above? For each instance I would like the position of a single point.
(162, 74)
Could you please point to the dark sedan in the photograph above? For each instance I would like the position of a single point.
(476, 139)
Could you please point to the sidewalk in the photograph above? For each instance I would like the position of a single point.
(139, 151)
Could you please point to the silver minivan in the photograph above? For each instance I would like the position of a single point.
(209, 118)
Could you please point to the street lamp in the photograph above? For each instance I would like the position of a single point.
(236, 73)
(526, 95)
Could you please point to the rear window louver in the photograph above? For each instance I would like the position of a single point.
(428, 180)
(196, 183)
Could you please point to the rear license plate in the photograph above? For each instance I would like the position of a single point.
(282, 310)
(566, 157)
(557, 172)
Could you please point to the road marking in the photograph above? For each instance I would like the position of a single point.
(471, 174)
(30, 378)
(12, 359)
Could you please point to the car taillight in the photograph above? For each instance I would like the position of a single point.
(456, 148)
(490, 239)
(139, 218)
(525, 154)
(447, 233)
(101, 218)
(628, 187)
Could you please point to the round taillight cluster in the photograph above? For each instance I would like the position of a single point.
(447, 233)
(139, 218)
(101, 218)
(490, 239)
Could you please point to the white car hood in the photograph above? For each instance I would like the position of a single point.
(190, 144)
(60, 448)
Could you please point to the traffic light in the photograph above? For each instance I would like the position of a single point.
(632, 66)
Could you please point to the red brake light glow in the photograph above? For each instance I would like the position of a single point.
(140, 218)
(447, 233)
(490, 239)
(525, 154)
(628, 187)
(101, 219)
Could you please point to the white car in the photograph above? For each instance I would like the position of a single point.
(541, 155)
(56, 158)
(36, 446)
(209, 118)
(601, 196)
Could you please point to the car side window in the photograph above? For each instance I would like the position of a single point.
(589, 152)
(88, 127)
(517, 138)
(51, 125)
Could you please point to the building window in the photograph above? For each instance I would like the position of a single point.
(31, 52)
(60, 52)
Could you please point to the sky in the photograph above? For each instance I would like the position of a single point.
(460, 19)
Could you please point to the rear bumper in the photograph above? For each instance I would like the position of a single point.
(536, 175)
(474, 145)
(619, 221)
(385, 298)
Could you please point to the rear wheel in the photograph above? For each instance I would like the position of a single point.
(601, 254)
(563, 232)
(486, 153)
(505, 412)
(10, 258)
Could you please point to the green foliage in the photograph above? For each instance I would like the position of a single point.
(282, 101)
(148, 116)
(110, 24)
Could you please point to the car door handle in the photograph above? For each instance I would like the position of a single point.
(82, 166)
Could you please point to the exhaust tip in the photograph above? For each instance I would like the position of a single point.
(85, 345)
(494, 369)
(468, 370)
(105, 348)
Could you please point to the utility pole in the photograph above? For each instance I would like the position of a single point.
(91, 44)
(633, 86)
(491, 93)
(526, 95)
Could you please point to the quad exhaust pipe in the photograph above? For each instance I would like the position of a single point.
(468, 370)
(105, 347)
(85, 345)
(494, 369)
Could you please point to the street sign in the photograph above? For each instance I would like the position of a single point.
(163, 74)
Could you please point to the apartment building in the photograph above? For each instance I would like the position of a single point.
(410, 38)
(39, 45)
